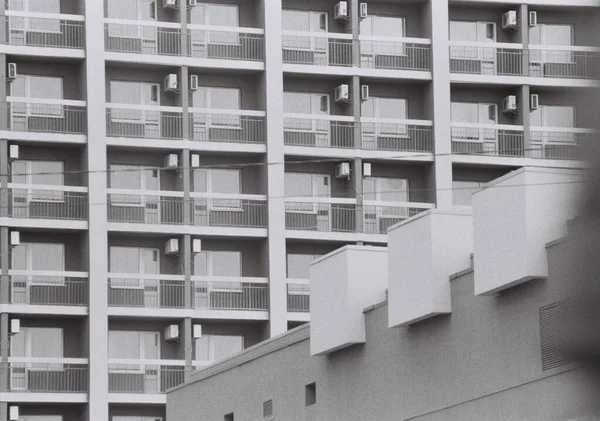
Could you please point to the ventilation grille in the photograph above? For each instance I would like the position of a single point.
(268, 408)
(554, 330)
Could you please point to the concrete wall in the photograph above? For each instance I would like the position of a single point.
(412, 12)
(416, 174)
(253, 176)
(75, 257)
(169, 180)
(153, 411)
(253, 253)
(318, 6)
(169, 265)
(339, 187)
(490, 96)
(247, 12)
(68, 412)
(73, 75)
(169, 350)
(252, 332)
(413, 93)
(485, 14)
(246, 83)
(461, 173)
(71, 158)
(73, 333)
(322, 87)
(148, 75)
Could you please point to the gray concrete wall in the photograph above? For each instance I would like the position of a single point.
(460, 173)
(322, 87)
(252, 332)
(416, 175)
(585, 116)
(169, 350)
(246, 83)
(68, 412)
(253, 177)
(485, 14)
(253, 253)
(339, 187)
(74, 344)
(493, 96)
(169, 265)
(149, 75)
(71, 158)
(413, 93)
(73, 75)
(318, 6)
(169, 179)
(153, 411)
(75, 257)
(412, 12)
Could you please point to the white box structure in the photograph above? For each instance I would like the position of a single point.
(514, 217)
(422, 254)
(343, 283)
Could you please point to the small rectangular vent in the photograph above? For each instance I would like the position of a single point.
(268, 409)
(554, 329)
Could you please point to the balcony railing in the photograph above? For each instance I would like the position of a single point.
(397, 135)
(379, 216)
(395, 53)
(571, 62)
(46, 115)
(48, 375)
(317, 49)
(48, 288)
(561, 142)
(219, 293)
(487, 139)
(320, 131)
(144, 376)
(487, 59)
(298, 297)
(143, 121)
(228, 43)
(48, 202)
(321, 214)
(229, 210)
(146, 290)
(44, 30)
(147, 37)
(145, 206)
(230, 126)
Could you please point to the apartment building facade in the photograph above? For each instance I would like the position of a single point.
(169, 169)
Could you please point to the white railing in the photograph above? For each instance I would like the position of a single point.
(144, 121)
(229, 210)
(378, 216)
(397, 135)
(298, 297)
(320, 131)
(146, 290)
(145, 206)
(48, 202)
(42, 287)
(45, 30)
(144, 376)
(505, 59)
(395, 53)
(229, 43)
(323, 214)
(142, 37)
(48, 375)
(317, 48)
(561, 142)
(230, 126)
(47, 115)
(573, 62)
(230, 293)
(487, 139)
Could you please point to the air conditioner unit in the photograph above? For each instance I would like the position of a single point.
(172, 333)
(195, 160)
(172, 161)
(363, 11)
(340, 11)
(15, 238)
(170, 84)
(533, 21)
(13, 151)
(193, 82)
(534, 102)
(170, 4)
(197, 331)
(342, 93)
(509, 104)
(15, 326)
(196, 245)
(509, 20)
(11, 73)
(172, 246)
(191, 3)
(342, 170)
(367, 169)
(364, 92)
(13, 413)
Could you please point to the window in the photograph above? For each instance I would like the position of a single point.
(217, 347)
(134, 177)
(383, 26)
(310, 394)
(307, 104)
(41, 418)
(46, 173)
(131, 9)
(463, 190)
(385, 189)
(214, 15)
(220, 181)
(39, 258)
(37, 342)
(214, 98)
(553, 116)
(472, 31)
(298, 264)
(135, 93)
(306, 185)
(39, 87)
(551, 34)
(220, 264)
(304, 21)
(380, 107)
(473, 114)
(133, 345)
(19, 24)
(134, 260)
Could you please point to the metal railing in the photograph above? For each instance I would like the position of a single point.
(494, 140)
(298, 297)
(571, 62)
(226, 43)
(228, 210)
(145, 207)
(152, 38)
(379, 216)
(48, 288)
(318, 131)
(229, 294)
(320, 214)
(152, 378)
(57, 376)
(48, 202)
(227, 126)
(387, 135)
(44, 31)
(50, 116)
(561, 143)
(144, 121)
(395, 54)
(317, 49)
(504, 59)
(146, 291)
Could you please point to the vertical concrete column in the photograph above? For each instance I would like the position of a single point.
(4, 353)
(357, 167)
(273, 85)
(183, 18)
(4, 231)
(524, 98)
(97, 234)
(523, 35)
(187, 346)
(437, 12)
(355, 30)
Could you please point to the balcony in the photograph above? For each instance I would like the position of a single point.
(140, 121)
(48, 288)
(378, 216)
(298, 297)
(149, 37)
(226, 43)
(146, 290)
(242, 294)
(487, 139)
(499, 59)
(144, 376)
(569, 62)
(397, 135)
(48, 375)
(322, 214)
(45, 30)
(32, 201)
(228, 126)
(317, 49)
(229, 210)
(395, 53)
(145, 207)
(47, 115)
(318, 131)
(560, 142)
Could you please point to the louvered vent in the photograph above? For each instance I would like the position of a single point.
(268, 409)
(554, 322)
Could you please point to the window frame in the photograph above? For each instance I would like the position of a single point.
(29, 174)
(129, 283)
(139, 367)
(314, 257)
(456, 187)
(210, 37)
(540, 57)
(140, 169)
(481, 134)
(29, 257)
(57, 109)
(221, 286)
(143, 118)
(318, 45)
(211, 348)
(307, 207)
(213, 204)
(28, 24)
(210, 120)
(398, 49)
